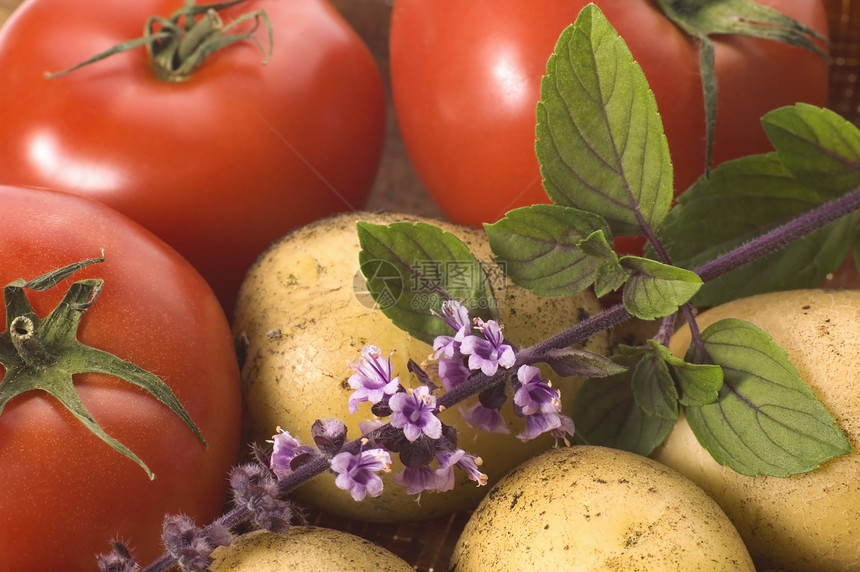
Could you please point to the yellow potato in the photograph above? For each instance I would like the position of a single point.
(302, 323)
(594, 508)
(305, 549)
(806, 522)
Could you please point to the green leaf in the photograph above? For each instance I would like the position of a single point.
(816, 145)
(699, 383)
(605, 413)
(411, 268)
(610, 274)
(741, 200)
(655, 289)
(539, 247)
(600, 140)
(653, 386)
(767, 421)
(574, 362)
(857, 251)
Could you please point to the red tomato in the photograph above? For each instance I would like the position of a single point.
(466, 81)
(218, 166)
(65, 493)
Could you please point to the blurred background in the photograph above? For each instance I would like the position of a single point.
(398, 187)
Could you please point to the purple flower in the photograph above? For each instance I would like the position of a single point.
(191, 545)
(119, 560)
(457, 317)
(556, 424)
(562, 431)
(357, 473)
(484, 418)
(369, 425)
(535, 394)
(285, 449)
(419, 479)
(541, 404)
(329, 435)
(452, 372)
(448, 346)
(373, 378)
(489, 352)
(255, 489)
(414, 413)
(463, 460)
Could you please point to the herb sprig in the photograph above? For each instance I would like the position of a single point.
(607, 170)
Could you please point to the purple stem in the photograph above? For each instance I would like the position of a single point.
(782, 235)
(770, 241)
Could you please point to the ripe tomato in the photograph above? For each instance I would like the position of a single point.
(66, 493)
(218, 166)
(466, 81)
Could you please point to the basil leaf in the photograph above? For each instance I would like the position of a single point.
(655, 289)
(654, 388)
(741, 200)
(574, 362)
(767, 421)
(539, 247)
(610, 274)
(605, 413)
(857, 251)
(699, 383)
(411, 268)
(600, 140)
(818, 146)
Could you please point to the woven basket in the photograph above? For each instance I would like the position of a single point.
(844, 17)
(428, 545)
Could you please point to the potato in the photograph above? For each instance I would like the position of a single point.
(595, 508)
(302, 323)
(305, 549)
(809, 521)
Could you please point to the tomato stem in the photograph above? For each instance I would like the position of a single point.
(45, 354)
(700, 20)
(179, 45)
(27, 343)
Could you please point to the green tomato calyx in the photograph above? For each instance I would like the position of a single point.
(44, 353)
(703, 18)
(178, 45)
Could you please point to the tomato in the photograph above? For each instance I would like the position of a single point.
(66, 493)
(466, 81)
(218, 166)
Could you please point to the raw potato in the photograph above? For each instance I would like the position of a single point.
(594, 508)
(302, 324)
(806, 522)
(305, 549)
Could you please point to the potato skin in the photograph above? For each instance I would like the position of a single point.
(594, 508)
(301, 324)
(305, 549)
(806, 522)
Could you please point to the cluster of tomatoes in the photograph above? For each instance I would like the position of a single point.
(183, 184)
